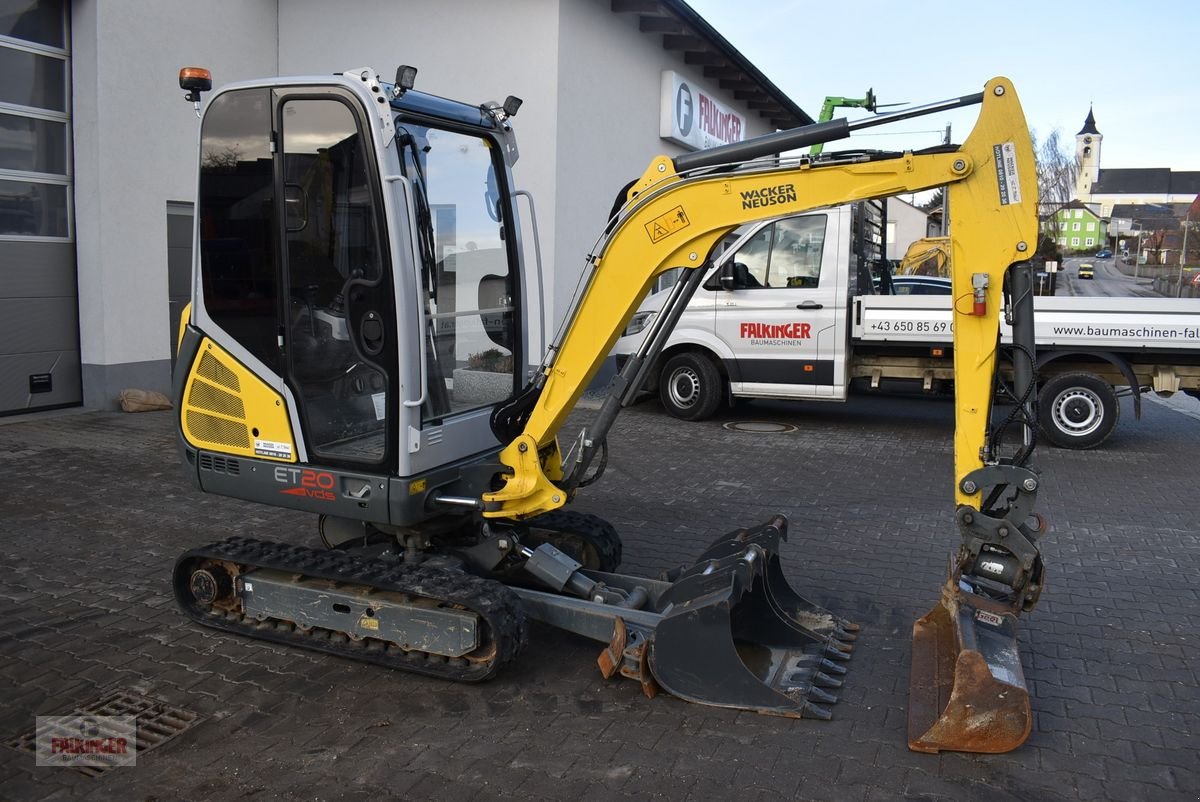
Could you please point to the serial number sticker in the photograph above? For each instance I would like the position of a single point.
(983, 616)
(1005, 156)
(380, 402)
(667, 224)
(270, 448)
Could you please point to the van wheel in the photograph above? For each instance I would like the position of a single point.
(1078, 410)
(690, 386)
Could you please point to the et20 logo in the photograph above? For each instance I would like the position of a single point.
(308, 483)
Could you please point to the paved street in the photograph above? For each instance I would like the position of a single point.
(1107, 280)
(96, 509)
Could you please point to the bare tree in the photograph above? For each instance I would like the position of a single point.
(1057, 171)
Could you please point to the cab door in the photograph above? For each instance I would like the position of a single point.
(779, 319)
(336, 304)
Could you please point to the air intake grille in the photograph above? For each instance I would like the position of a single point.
(211, 368)
(217, 430)
(211, 399)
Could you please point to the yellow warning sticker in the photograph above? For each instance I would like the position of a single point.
(417, 487)
(366, 622)
(667, 224)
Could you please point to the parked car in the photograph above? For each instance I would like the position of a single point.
(1104, 254)
(920, 285)
(1086, 270)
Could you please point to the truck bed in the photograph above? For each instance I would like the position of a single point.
(1111, 324)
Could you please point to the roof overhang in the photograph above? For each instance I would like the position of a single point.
(685, 32)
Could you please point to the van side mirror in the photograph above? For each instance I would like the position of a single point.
(727, 279)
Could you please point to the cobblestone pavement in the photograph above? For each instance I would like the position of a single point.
(95, 510)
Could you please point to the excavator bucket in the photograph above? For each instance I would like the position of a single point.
(967, 691)
(734, 633)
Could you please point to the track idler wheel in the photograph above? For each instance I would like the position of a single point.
(209, 584)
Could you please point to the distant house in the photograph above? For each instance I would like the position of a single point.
(905, 224)
(1076, 227)
(1151, 230)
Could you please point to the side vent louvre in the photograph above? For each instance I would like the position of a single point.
(215, 464)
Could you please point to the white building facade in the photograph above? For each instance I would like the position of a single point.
(98, 148)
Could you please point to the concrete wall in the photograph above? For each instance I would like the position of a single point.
(610, 76)
(906, 225)
(135, 149)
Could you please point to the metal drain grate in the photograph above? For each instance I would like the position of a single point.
(759, 427)
(157, 723)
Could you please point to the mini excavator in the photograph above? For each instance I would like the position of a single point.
(357, 346)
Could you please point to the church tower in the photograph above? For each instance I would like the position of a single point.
(1087, 156)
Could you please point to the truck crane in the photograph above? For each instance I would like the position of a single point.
(356, 346)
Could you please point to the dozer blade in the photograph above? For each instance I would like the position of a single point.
(734, 633)
(967, 692)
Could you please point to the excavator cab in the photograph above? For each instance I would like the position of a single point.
(332, 248)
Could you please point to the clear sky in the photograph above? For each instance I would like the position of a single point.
(1136, 63)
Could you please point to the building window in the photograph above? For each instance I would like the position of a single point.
(1079, 214)
(1062, 242)
(1062, 226)
(35, 135)
(1091, 226)
(1074, 226)
(1074, 242)
(1089, 242)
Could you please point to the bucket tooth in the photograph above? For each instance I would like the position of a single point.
(845, 635)
(830, 667)
(815, 711)
(815, 694)
(967, 691)
(823, 680)
(834, 653)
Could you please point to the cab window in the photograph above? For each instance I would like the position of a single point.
(784, 254)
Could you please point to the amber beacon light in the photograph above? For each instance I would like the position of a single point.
(195, 80)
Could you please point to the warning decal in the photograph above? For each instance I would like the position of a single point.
(667, 224)
(1006, 173)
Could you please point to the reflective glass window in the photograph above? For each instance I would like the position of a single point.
(39, 21)
(38, 146)
(33, 80)
(469, 287)
(236, 220)
(31, 209)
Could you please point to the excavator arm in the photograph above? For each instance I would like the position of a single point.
(675, 217)
(967, 690)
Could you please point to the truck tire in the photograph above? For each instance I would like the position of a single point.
(1078, 410)
(690, 386)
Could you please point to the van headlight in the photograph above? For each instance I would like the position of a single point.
(639, 323)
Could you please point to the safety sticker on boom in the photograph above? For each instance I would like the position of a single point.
(1006, 173)
(667, 224)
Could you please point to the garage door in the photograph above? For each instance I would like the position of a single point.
(39, 316)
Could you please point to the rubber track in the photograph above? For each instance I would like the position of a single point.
(499, 609)
(592, 528)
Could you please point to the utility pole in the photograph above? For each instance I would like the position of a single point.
(1187, 224)
(946, 194)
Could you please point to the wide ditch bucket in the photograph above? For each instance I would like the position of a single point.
(967, 691)
(734, 633)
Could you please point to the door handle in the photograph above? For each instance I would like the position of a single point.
(809, 305)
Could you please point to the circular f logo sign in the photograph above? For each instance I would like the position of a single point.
(683, 109)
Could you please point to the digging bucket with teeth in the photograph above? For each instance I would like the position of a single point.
(728, 631)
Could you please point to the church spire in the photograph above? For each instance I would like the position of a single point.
(1089, 125)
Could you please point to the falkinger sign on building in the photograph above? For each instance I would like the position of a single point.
(692, 117)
